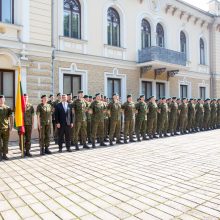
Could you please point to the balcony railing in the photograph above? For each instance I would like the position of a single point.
(161, 54)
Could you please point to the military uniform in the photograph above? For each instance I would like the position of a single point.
(183, 114)
(98, 109)
(114, 109)
(162, 118)
(213, 118)
(80, 109)
(199, 116)
(207, 115)
(152, 119)
(218, 114)
(44, 112)
(89, 123)
(5, 114)
(28, 116)
(129, 116)
(51, 103)
(191, 116)
(141, 118)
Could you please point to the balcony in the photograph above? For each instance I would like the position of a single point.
(161, 57)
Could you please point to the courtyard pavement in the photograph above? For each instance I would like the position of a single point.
(172, 178)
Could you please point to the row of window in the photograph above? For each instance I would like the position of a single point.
(72, 26)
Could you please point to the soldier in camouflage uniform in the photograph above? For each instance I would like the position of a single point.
(152, 118)
(191, 115)
(80, 107)
(6, 124)
(28, 123)
(129, 116)
(97, 109)
(218, 113)
(88, 118)
(141, 118)
(207, 114)
(114, 110)
(183, 116)
(44, 112)
(163, 117)
(173, 116)
(106, 121)
(51, 102)
(199, 115)
(213, 114)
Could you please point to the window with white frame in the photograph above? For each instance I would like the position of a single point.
(183, 42)
(7, 11)
(160, 90)
(114, 86)
(160, 35)
(113, 27)
(202, 92)
(147, 89)
(71, 83)
(145, 34)
(183, 91)
(72, 19)
(202, 52)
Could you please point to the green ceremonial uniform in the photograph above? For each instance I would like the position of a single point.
(183, 108)
(199, 115)
(89, 123)
(218, 115)
(80, 108)
(129, 115)
(5, 114)
(207, 115)
(162, 118)
(98, 109)
(213, 120)
(141, 119)
(44, 112)
(51, 103)
(28, 115)
(106, 123)
(173, 117)
(191, 116)
(115, 120)
(152, 118)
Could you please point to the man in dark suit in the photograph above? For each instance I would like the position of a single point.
(64, 122)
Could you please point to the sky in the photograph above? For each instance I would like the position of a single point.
(199, 3)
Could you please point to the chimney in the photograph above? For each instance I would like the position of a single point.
(214, 7)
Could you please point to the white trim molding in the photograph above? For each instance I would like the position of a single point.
(115, 74)
(73, 70)
(188, 84)
(207, 91)
(154, 87)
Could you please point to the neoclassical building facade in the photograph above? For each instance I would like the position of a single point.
(152, 47)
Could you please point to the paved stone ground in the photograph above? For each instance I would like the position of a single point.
(172, 178)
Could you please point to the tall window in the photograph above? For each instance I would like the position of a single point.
(113, 27)
(182, 42)
(71, 84)
(183, 91)
(145, 34)
(202, 91)
(7, 11)
(72, 19)
(114, 86)
(7, 86)
(147, 89)
(202, 52)
(160, 36)
(160, 88)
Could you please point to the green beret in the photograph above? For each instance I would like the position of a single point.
(2, 96)
(86, 96)
(43, 96)
(129, 96)
(58, 94)
(80, 92)
(97, 94)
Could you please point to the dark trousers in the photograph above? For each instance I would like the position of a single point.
(64, 130)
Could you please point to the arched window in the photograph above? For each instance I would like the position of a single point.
(183, 42)
(72, 19)
(113, 27)
(160, 35)
(145, 34)
(202, 52)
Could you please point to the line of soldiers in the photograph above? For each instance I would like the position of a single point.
(96, 119)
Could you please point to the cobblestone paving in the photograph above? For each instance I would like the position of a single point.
(172, 178)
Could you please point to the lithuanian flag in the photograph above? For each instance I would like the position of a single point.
(20, 106)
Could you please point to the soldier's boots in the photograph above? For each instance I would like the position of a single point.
(102, 144)
(111, 143)
(42, 151)
(85, 146)
(119, 142)
(138, 138)
(47, 151)
(77, 146)
(4, 157)
(125, 141)
(28, 154)
(132, 140)
(93, 144)
(145, 137)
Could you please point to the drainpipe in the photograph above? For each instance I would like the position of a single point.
(52, 46)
